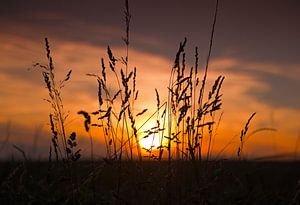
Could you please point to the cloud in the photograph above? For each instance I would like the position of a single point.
(278, 87)
(282, 91)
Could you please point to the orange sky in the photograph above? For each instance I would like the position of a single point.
(256, 79)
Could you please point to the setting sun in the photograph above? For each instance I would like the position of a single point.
(151, 136)
(152, 141)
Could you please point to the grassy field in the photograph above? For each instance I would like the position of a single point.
(133, 182)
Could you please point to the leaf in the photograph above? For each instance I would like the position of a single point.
(87, 121)
(129, 76)
(110, 55)
(100, 92)
(73, 136)
(121, 112)
(77, 155)
(141, 113)
(182, 80)
(95, 113)
(136, 95)
(70, 142)
(116, 95)
(157, 98)
(96, 125)
(103, 69)
(91, 75)
(68, 76)
(107, 114)
(206, 124)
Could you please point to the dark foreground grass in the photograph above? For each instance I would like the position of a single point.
(133, 182)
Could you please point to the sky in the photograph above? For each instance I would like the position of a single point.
(256, 47)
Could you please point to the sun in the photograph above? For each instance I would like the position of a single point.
(152, 140)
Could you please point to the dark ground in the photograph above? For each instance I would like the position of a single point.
(178, 182)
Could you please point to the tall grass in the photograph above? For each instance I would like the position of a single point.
(63, 145)
(115, 115)
(186, 123)
(182, 120)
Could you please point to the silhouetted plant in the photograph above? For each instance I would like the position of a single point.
(64, 148)
(58, 115)
(243, 135)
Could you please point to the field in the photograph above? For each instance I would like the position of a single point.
(178, 182)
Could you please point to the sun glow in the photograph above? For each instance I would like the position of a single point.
(151, 137)
(153, 140)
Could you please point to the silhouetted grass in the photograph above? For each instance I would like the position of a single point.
(223, 182)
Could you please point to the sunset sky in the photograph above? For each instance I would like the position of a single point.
(256, 48)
